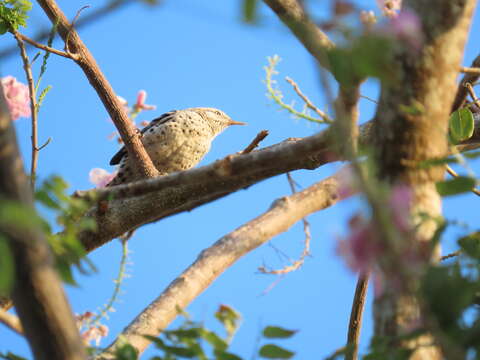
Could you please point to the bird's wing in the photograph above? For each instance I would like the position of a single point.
(160, 120)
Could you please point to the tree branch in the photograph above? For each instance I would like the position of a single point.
(307, 32)
(37, 292)
(11, 321)
(33, 108)
(213, 261)
(85, 60)
(426, 81)
(94, 15)
(469, 77)
(355, 323)
(138, 203)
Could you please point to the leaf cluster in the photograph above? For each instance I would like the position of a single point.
(192, 340)
(13, 14)
(69, 211)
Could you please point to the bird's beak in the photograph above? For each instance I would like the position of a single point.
(233, 122)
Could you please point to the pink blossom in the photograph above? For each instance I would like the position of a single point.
(101, 177)
(94, 333)
(17, 96)
(140, 104)
(400, 203)
(361, 248)
(389, 7)
(368, 18)
(347, 186)
(407, 27)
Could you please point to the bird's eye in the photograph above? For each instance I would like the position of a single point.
(218, 113)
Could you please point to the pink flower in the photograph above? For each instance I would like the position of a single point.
(347, 186)
(400, 203)
(407, 27)
(368, 18)
(389, 7)
(17, 96)
(361, 247)
(140, 104)
(101, 177)
(94, 333)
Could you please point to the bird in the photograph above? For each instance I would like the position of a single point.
(175, 141)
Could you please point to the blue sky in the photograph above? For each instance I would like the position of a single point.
(188, 53)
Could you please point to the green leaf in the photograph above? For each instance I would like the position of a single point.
(11, 356)
(471, 245)
(249, 11)
(271, 351)
(226, 356)
(277, 332)
(192, 333)
(46, 200)
(461, 125)
(3, 28)
(213, 339)
(7, 267)
(126, 352)
(455, 186)
(229, 318)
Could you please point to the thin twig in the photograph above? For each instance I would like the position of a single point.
(92, 16)
(136, 151)
(355, 323)
(46, 143)
(470, 70)
(255, 142)
(369, 98)
(306, 250)
(116, 291)
(307, 101)
(472, 93)
(11, 321)
(211, 262)
(451, 255)
(469, 77)
(276, 95)
(33, 108)
(72, 26)
(454, 174)
(46, 48)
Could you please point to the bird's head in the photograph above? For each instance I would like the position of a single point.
(217, 119)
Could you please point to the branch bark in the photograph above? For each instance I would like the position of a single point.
(293, 15)
(212, 262)
(37, 292)
(82, 56)
(426, 80)
(469, 77)
(150, 200)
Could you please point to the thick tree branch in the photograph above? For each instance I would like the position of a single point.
(158, 198)
(85, 60)
(307, 32)
(213, 261)
(37, 292)
(425, 80)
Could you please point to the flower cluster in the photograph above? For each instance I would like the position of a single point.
(91, 332)
(364, 251)
(17, 96)
(101, 177)
(390, 8)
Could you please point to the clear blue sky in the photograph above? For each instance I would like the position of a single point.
(188, 53)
